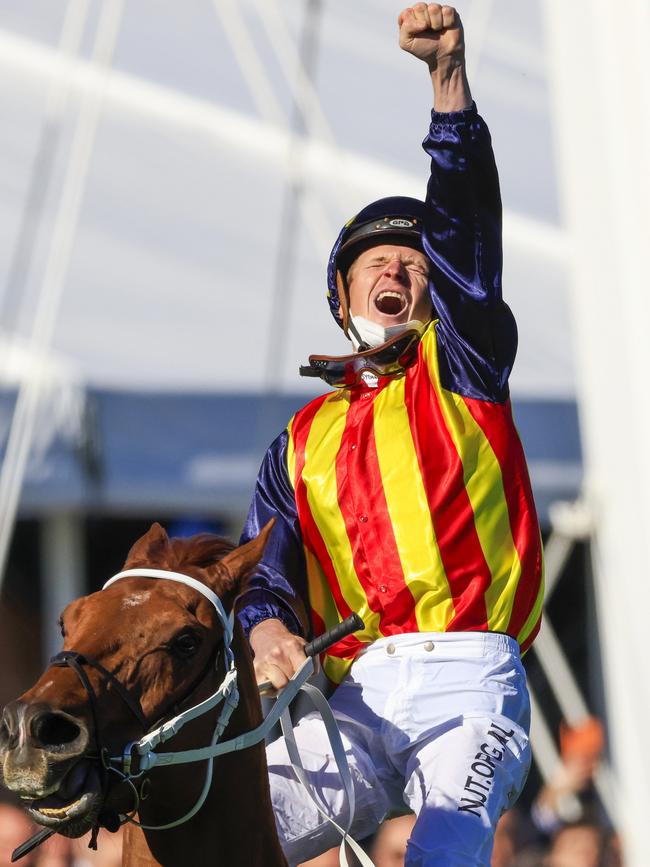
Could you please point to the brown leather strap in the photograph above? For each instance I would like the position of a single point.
(344, 301)
(76, 660)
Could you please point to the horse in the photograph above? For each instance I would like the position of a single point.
(137, 653)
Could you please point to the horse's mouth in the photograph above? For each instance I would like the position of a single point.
(46, 813)
(73, 808)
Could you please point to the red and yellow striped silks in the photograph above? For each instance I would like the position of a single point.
(416, 511)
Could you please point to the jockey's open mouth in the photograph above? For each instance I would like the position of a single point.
(390, 302)
(72, 808)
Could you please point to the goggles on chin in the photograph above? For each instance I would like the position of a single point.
(389, 359)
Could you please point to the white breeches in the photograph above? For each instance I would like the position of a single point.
(434, 722)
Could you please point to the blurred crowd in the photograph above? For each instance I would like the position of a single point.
(16, 827)
(583, 843)
(564, 826)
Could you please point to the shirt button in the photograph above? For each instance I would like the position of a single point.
(428, 646)
(383, 588)
(363, 518)
(390, 649)
(353, 447)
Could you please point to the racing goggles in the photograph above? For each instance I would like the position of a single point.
(390, 359)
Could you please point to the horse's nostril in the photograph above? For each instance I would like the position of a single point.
(54, 730)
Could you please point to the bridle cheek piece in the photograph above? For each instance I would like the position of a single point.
(75, 660)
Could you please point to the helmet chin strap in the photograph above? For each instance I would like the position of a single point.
(366, 334)
(357, 340)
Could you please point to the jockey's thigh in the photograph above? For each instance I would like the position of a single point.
(466, 714)
(460, 785)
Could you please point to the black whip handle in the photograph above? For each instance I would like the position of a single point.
(351, 624)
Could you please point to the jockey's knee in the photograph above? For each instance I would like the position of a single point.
(304, 832)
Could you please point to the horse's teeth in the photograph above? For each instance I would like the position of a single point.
(58, 811)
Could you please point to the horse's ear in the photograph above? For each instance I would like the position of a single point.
(241, 561)
(153, 548)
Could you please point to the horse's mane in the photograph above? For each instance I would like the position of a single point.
(202, 550)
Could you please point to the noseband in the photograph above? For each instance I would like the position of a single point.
(76, 661)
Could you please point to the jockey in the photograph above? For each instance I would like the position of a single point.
(404, 495)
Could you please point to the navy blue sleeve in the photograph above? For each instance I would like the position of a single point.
(278, 588)
(477, 335)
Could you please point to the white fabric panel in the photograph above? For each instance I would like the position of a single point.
(604, 139)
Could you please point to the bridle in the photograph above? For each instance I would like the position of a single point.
(123, 766)
(227, 694)
(140, 752)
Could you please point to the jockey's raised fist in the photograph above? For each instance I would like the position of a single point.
(432, 33)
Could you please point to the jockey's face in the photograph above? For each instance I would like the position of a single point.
(388, 284)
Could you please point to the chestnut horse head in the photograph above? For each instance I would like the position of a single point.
(144, 648)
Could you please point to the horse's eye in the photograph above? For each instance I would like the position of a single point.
(61, 627)
(185, 645)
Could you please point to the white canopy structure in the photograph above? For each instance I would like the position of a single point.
(177, 239)
(602, 122)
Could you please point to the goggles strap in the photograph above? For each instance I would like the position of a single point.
(346, 318)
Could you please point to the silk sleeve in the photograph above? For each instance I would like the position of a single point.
(477, 335)
(278, 586)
